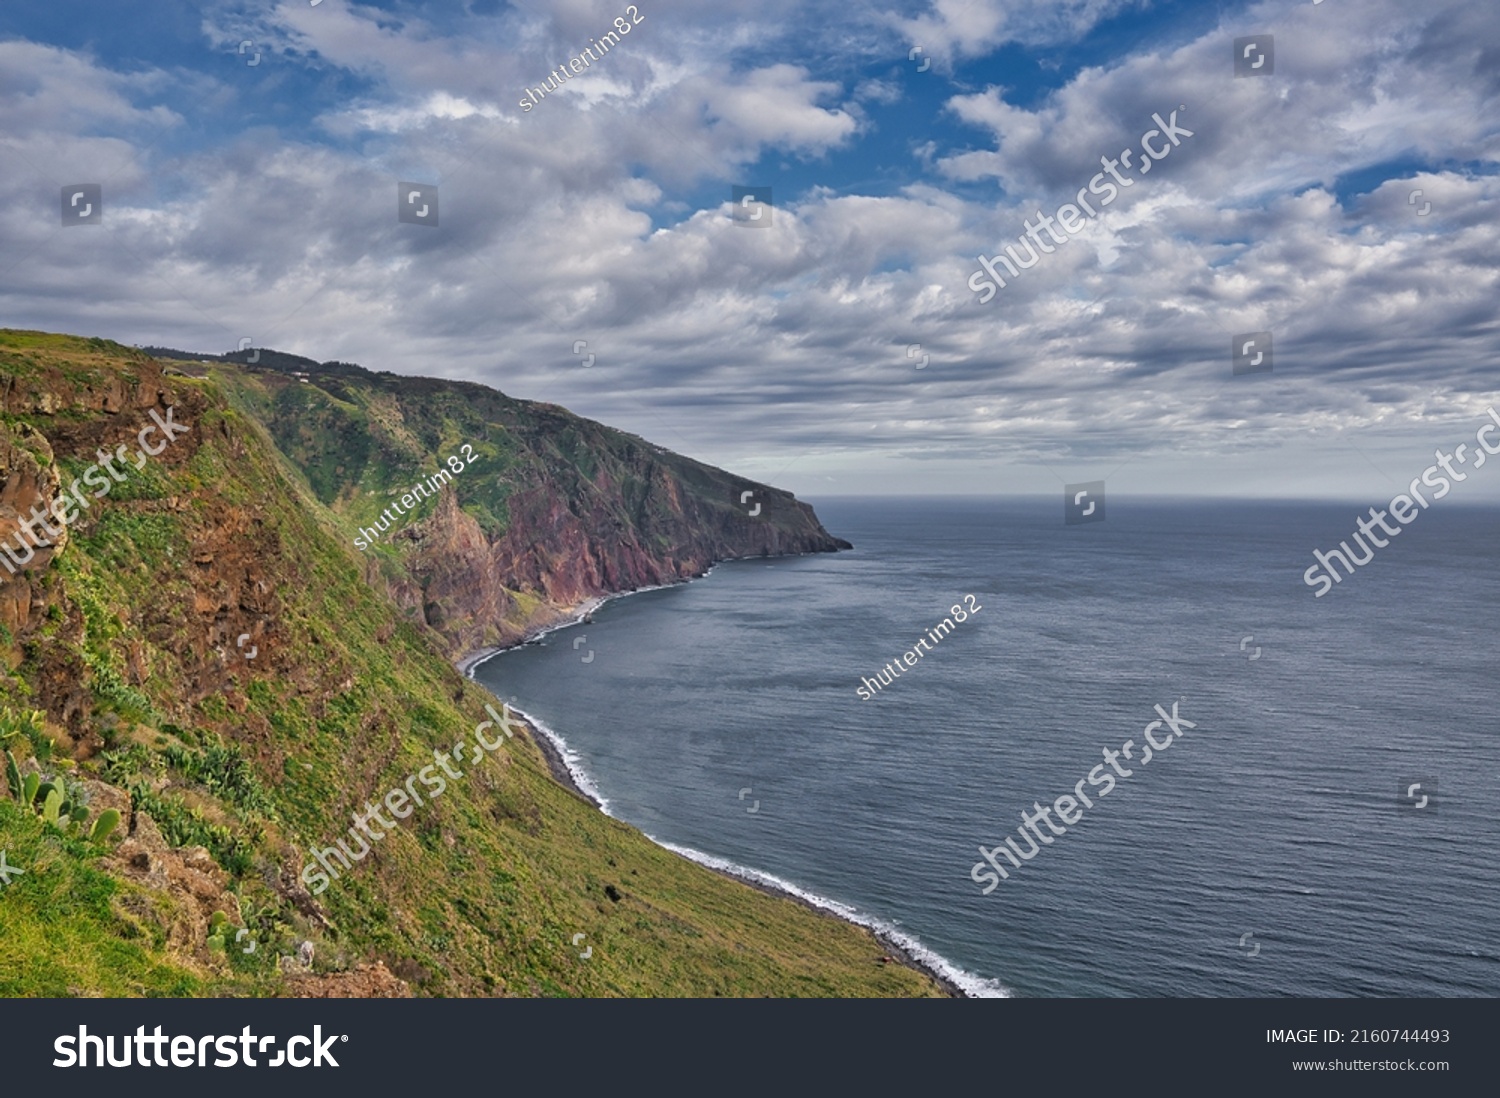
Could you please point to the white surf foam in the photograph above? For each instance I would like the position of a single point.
(974, 986)
(572, 760)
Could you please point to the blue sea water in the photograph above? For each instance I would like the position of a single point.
(1270, 851)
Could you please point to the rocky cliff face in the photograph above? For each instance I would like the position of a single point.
(551, 509)
(69, 396)
(71, 406)
(25, 485)
(572, 541)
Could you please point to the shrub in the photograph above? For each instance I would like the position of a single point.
(31, 725)
(224, 771)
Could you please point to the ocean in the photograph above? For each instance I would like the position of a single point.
(1276, 848)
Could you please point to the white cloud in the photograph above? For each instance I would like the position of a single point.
(787, 348)
(955, 29)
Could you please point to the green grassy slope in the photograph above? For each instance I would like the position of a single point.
(127, 644)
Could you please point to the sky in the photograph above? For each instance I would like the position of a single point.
(1331, 182)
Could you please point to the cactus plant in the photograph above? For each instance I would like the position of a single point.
(217, 926)
(30, 724)
(61, 803)
(12, 776)
(108, 820)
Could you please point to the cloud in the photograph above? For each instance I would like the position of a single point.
(952, 29)
(602, 214)
(64, 114)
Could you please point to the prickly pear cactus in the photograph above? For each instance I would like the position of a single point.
(108, 820)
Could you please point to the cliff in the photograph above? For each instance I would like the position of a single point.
(549, 509)
(204, 652)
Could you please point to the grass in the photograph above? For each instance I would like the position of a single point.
(63, 928)
(478, 892)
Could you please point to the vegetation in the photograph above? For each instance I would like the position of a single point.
(131, 676)
(68, 928)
